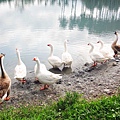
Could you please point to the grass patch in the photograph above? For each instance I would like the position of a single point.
(71, 107)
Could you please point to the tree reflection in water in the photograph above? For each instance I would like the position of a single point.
(95, 15)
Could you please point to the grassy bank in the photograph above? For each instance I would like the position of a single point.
(72, 107)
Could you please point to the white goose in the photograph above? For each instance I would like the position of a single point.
(20, 69)
(95, 56)
(42, 68)
(45, 77)
(66, 56)
(5, 82)
(103, 51)
(54, 60)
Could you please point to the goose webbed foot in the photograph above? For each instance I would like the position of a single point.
(95, 64)
(44, 87)
(7, 98)
(23, 81)
(105, 61)
(115, 55)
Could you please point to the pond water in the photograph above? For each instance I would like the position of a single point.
(31, 24)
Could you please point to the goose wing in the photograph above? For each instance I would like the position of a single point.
(117, 47)
(48, 77)
(97, 57)
(4, 86)
(54, 60)
(66, 57)
(106, 53)
(42, 67)
(20, 71)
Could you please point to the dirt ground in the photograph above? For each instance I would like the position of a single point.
(90, 81)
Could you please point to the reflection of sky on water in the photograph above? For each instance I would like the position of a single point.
(75, 14)
(31, 27)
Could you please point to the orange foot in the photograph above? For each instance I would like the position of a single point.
(44, 87)
(105, 61)
(23, 81)
(95, 64)
(7, 98)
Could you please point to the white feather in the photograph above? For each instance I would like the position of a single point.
(20, 69)
(45, 77)
(55, 61)
(66, 56)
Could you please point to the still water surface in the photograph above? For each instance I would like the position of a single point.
(31, 24)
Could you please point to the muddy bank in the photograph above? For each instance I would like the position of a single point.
(91, 82)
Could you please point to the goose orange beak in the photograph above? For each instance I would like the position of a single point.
(34, 59)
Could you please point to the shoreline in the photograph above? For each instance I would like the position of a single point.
(88, 81)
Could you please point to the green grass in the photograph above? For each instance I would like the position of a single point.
(71, 107)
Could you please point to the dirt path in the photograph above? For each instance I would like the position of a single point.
(91, 82)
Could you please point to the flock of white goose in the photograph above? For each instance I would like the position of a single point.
(45, 76)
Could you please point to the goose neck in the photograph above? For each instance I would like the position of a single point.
(19, 58)
(3, 72)
(114, 43)
(38, 66)
(92, 47)
(65, 46)
(101, 45)
(51, 52)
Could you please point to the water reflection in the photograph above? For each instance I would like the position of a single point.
(95, 15)
(55, 70)
(112, 5)
(2, 1)
(66, 70)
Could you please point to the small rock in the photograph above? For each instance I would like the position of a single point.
(77, 75)
(69, 83)
(95, 94)
(114, 64)
(77, 80)
(85, 79)
(89, 69)
(106, 90)
(59, 82)
(73, 76)
(91, 80)
(78, 86)
(79, 83)
(91, 91)
(81, 72)
(117, 60)
(86, 64)
(109, 92)
(99, 84)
